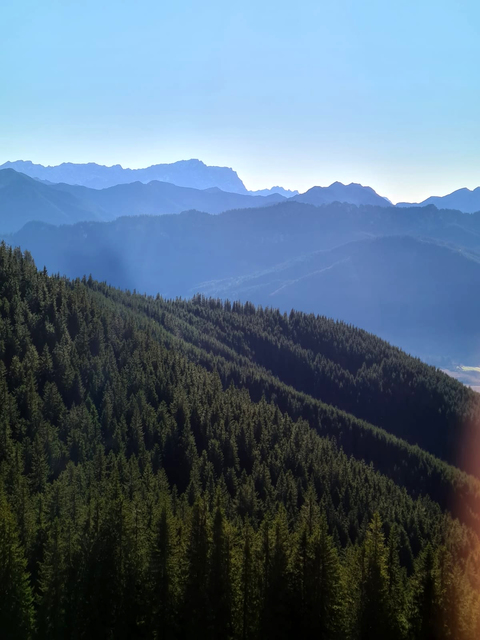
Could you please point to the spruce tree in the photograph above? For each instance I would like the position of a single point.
(195, 611)
(220, 579)
(162, 578)
(16, 600)
(373, 621)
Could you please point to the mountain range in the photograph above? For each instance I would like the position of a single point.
(24, 199)
(465, 200)
(288, 193)
(407, 274)
(197, 175)
(337, 192)
(185, 173)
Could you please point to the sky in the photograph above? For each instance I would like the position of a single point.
(295, 94)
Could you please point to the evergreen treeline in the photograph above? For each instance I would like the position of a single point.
(217, 335)
(160, 477)
(333, 362)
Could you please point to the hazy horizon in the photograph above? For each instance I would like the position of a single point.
(271, 185)
(382, 95)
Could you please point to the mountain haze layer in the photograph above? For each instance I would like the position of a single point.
(158, 198)
(197, 175)
(29, 199)
(24, 199)
(389, 270)
(465, 200)
(185, 173)
(413, 292)
(337, 192)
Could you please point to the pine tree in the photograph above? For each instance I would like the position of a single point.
(425, 605)
(16, 600)
(396, 585)
(163, 580)
(196, 602)
(276, 602)
(249, 596)
(53, 588)
(373, 621)
(220, 581)
(324, 592)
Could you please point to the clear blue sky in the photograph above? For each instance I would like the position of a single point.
(386, 93)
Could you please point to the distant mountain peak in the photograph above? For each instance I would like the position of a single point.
(191, 173)
(352, 193)
(464, 199)
(287, 193)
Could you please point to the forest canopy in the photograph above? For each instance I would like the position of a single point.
(173, 469)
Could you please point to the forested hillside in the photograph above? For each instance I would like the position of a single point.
(174, 469)
(415, 292)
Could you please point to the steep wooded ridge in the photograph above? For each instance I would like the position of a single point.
(174, 469)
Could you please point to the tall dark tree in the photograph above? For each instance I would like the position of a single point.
(220, 579)
(195, 612)
(163, 580)
(16, 599)
(373, 623)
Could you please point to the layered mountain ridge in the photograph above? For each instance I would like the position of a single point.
(27, 199)
(466, 200)
(185, 173)
(352, 193)
(197, 175)
(24, 199)
(393, 271)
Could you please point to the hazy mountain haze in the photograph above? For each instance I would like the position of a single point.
(405, 273)
(79, 202)
(185, 173)
(361, 117)
(462, 199)
(24, 199)
(338, 192)
(196, 174)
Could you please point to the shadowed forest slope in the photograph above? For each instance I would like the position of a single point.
(162, 474)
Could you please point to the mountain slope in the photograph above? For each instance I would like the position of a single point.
(134, 473)
(288, 193)
(409, 291)
(157, 198)
(337, 192)
(23, 199)
(398, 288)
(465, 200)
